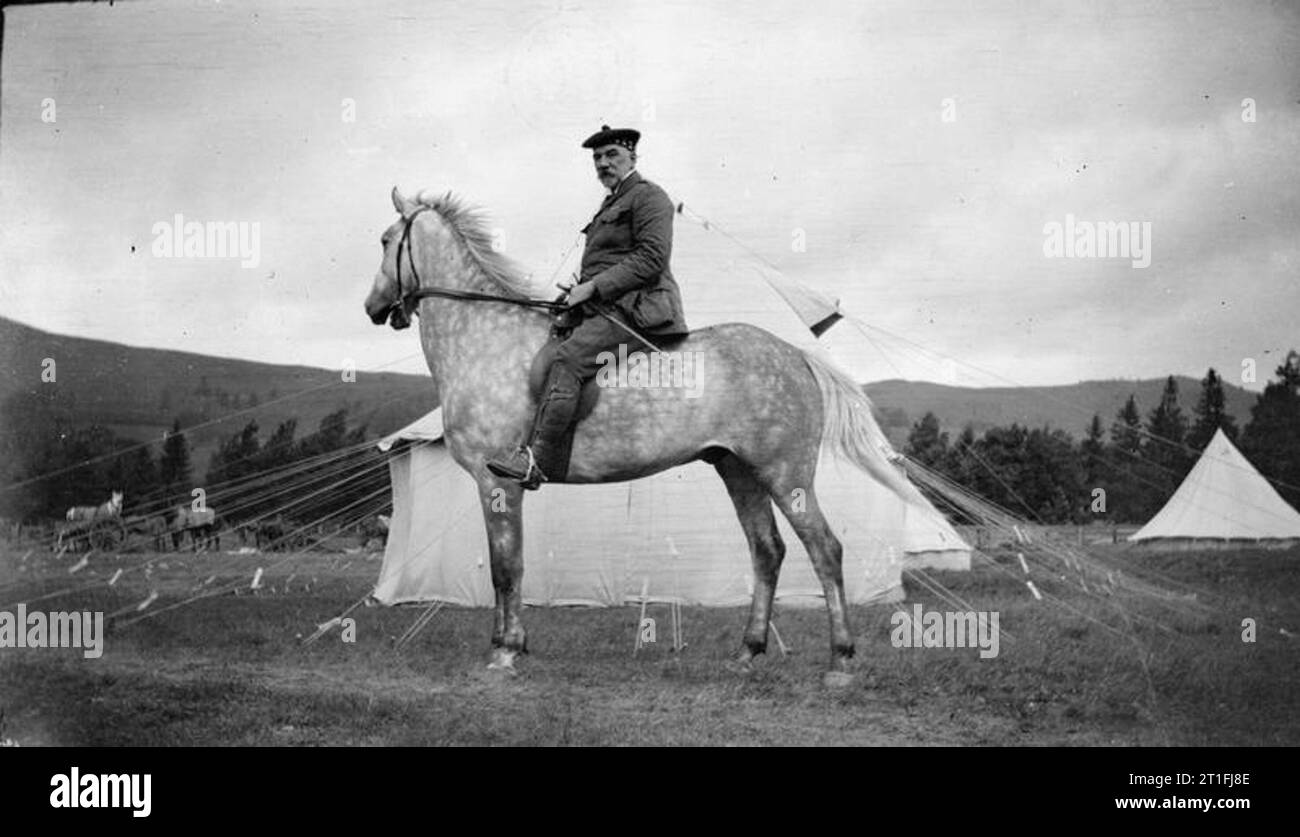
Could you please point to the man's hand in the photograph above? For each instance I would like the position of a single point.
(582, 293)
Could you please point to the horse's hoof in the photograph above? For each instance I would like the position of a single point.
(503, 662)
(743, 667)
(745, 663)
(837, 679)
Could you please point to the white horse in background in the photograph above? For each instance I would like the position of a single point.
(113, 508)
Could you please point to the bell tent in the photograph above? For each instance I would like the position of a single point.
(1223, 502)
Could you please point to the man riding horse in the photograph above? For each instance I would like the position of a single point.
(625, 275)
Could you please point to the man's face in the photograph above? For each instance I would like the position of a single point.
(612, 162)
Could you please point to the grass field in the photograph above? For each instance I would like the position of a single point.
(231, 670)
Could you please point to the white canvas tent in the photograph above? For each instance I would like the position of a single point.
(676, 533)
(1223, 502)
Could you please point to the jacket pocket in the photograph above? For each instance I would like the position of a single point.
(652, 308)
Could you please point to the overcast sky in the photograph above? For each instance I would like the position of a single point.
(781, 122)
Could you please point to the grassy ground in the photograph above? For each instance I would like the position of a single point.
(232, 671)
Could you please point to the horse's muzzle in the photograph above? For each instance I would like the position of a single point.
(394, 313)
(398, 318)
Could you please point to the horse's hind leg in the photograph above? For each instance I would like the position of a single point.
(754, 508)
(792, 491)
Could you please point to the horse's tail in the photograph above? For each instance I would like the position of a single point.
(849, 430)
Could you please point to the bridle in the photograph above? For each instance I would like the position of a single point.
(406, 301)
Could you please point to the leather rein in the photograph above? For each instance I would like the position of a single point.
(418, 293)
(406, 301)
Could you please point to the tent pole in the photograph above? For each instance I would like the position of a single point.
(645, 590)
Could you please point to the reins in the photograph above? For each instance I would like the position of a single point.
(418, 293)
(470, 296)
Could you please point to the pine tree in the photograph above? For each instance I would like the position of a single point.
(135, 474)
(1092, 451)
(1000, 463)
(329, 436)
(926, 444)
(1125, 499)
(1165, 460)
(1167, 431)
(237, 457)
(1051, 480)
(174, 466)
(1126, 432)
(1210, 414)
(279, 449)
(34, 425)
(960, 465)
(1271, 441)
(248, 449)
(1095, 473)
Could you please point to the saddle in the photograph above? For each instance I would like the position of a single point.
(562, 323)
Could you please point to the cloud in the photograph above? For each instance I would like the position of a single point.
(820, 123)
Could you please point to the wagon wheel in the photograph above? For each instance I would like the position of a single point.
(107, 535)
(97, 536)
(119, 536)
(79, 538)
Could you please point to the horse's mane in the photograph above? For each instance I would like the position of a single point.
(470, 226)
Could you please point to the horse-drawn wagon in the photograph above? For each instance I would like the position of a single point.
(201, 525)
(93, 527)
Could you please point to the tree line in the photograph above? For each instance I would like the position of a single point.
(1123, 471)
(329, 476)
(48, 463)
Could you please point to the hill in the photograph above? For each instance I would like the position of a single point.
(138, 392)
(1068, 407)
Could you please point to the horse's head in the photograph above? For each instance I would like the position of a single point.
(388, 300)
(436, 243)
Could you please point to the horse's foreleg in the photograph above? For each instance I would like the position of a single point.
(767, 550)
(503, 515)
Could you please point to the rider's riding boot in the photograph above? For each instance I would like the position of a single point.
(546, 456)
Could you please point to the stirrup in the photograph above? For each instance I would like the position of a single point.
(530, 478)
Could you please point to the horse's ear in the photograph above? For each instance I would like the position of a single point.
(403, 206)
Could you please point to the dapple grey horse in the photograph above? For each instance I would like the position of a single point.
(761, 418)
